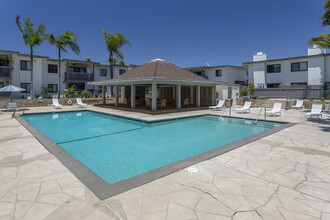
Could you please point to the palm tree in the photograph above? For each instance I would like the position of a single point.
(114, 42)
(323, 40)
(63, 41)
(32, 37)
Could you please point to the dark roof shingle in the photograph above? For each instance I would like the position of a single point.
(160, 69)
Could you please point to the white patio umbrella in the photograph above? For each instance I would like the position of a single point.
(11, 89)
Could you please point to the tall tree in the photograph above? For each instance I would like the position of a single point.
(323, 40)
(32, 37)
(63, 41)
(114, 42)
(326, 16)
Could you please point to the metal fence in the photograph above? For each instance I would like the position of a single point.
(292, 93)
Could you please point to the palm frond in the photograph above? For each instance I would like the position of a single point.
(65, 40)
(323, 40)
(114, 42)
(31, 36)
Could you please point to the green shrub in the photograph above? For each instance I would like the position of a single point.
(244, 92)
(86, 94)
(322, 99)
(252, 89)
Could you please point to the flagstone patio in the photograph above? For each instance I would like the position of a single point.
(282, 176)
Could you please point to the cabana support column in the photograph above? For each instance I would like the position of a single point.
(191, 95)
(178, 96)
(198, 104)
(117, 96)
(154, 97)
(104, 88)
(132, 96)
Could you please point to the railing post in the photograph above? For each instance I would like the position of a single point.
(265, 116)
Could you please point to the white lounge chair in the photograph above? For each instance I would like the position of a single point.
(80, 103)
(299, 104)
(246, 107)
(11, 106)
(276, 109)
(316, 111)
(218, 106)
(56, 104)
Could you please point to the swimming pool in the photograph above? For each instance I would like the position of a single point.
(112, 154)
(118, 148)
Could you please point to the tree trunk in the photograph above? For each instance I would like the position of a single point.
(59, 74)
(111, 71)
(31, 85)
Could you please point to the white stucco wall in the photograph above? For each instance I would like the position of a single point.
(327, 69)
(259, 74)
(229, 74)
(316, 71)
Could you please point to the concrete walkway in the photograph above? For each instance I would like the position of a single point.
(282, 176)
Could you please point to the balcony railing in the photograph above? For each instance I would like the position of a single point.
(4, 71)
(78, 77)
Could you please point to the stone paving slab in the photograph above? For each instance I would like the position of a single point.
(282, 176)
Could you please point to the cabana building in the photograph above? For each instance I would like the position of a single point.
(160, 84)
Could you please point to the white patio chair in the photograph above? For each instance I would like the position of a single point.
(276, 109)
(218, 106)
(11, 106)
(80, 103)
(315, 112)
(56, 104)
(299, 104)
(246, 107)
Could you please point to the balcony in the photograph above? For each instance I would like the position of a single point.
(78, 77)
(4, 72)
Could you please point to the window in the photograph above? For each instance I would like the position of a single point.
(26, 86)
(260, 85)
(52, 68)
(200, 73)
(218, 73)
(247, 73)
(25, 65)
(301, 66)
(275, 68)
(53, 88)
(103, 72)
(327, 86)
(1, 84)
(122, 71)
(273, 85)
(77, 69)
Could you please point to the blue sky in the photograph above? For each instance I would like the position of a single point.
(186, 33)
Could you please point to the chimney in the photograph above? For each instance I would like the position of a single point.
(316, 50)
(259, 57)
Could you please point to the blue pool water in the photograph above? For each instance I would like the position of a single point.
(117, 148)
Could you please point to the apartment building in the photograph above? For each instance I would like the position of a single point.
(230, 78)
(311, 71)
(15, 69)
